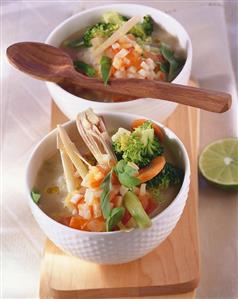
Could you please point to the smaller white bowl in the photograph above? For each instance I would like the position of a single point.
(70, 104)
(108, 247)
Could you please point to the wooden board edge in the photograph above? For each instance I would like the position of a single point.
(185, 287)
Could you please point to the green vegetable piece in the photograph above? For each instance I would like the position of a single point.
(135, 208)
(105, 64)
(106, 186)
(170, 175)
(85, 68)
(175, 64)
(114, 218)
(35, 195)
(114, 18)
(77, 43)
(126, 174)
(98, 30)
(164, 67)
(144, 29)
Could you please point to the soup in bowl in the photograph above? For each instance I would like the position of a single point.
(116, 181)
(121, 41)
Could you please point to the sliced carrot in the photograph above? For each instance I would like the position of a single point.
(158, 131)
(147, 173)
(78, 222)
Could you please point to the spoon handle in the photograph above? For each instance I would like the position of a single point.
(210, 100)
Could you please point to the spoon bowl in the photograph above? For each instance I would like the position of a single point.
(41, 61)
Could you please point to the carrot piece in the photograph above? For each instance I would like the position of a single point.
(96, 225)
(158, 131)
(147, 173)
(112, 71)
(134, 58)
(65, 220)
(144, 201)
(115, 180)
(78, 222)
(126, 217)
(152, 205)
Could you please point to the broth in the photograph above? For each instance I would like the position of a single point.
(51, 175)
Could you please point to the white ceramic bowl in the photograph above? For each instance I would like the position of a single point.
(108, 247)
(70, 105)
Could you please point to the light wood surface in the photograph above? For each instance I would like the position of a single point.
(172, 268)
(49, 63)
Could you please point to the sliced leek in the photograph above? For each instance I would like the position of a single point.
(135, 208)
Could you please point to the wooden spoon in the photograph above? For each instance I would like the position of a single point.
(49, 63)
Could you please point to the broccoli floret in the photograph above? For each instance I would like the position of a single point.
(114, 18)
(170, 175)
(144, 29)
(140, 146)
(98, 30)
(148, 25)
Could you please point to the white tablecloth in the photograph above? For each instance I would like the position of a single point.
(25, 118)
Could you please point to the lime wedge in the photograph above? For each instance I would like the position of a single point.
(218, 163)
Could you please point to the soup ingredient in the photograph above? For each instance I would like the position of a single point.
(126, 173)
(71, 181)
(218, 163)
(172, 65)
(84, 68)
(72, 152)
(78, 222)
(139, 146)
(98, 30)
(144, 29)
(141, 30)
(94, 133)
(106, 186)
(135, 208)
(170, 175)
(114, 18)
(157, 130)
(105, 64)
(115, 217)
(153, 169)
(117, 34)
(35, 195)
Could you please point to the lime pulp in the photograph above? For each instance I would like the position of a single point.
(218, 162)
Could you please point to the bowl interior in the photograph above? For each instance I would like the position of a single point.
(47, 147)
(91, 16)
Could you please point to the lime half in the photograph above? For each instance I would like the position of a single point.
(218, 163)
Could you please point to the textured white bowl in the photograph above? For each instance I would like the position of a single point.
(108, 247)
(70, 105)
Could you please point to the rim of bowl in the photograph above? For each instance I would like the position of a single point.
(63, 23)
(186, 180)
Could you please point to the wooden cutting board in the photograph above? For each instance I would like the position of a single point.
(172, 268)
